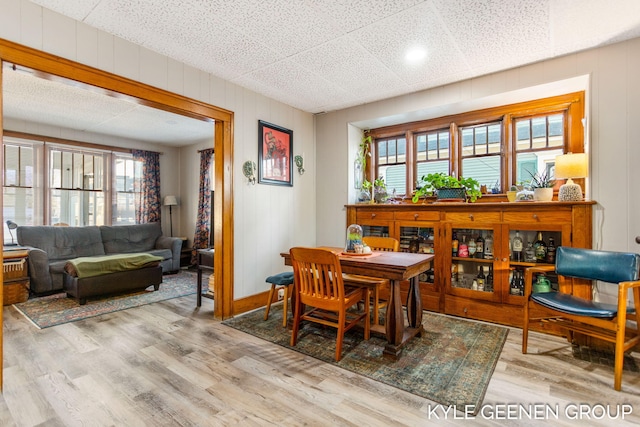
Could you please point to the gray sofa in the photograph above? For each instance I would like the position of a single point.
(51, 247)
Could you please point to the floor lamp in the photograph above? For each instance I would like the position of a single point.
(170, 201)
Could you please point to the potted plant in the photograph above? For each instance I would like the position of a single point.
(446, 186)
(542, 186)
(364, 196)
(380, 190)
(360, 164)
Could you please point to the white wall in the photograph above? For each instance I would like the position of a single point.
(267, 219)
(613, 99)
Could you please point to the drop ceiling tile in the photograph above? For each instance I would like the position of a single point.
(287, 82)
(491, 36)
(351, 67)
(390, 39)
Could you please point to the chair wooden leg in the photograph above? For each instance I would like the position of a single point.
(266, 312)
(367, 319)
(284, 306)
(525, 327)
(296, 322)
(376, 305)
(341, 321)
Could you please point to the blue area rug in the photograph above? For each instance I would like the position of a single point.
(52, 310)
(451, 363)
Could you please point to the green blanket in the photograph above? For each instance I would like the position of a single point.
(99, 265)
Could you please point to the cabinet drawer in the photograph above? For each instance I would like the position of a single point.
(538, 216)
(418, 216)
(473, 216)
(371, 214)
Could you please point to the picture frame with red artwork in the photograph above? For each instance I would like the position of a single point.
(275, 162)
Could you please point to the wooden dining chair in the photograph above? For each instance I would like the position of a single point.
(614, 323)
(376, 243)
(322, 296)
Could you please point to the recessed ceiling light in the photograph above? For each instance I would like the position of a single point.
(415, 54)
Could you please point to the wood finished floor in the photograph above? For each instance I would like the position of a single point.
(168, 364)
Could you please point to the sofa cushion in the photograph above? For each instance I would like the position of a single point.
(164, 253)
(62, 242)
(130, 238)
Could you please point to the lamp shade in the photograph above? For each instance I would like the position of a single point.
(170, 201)
(571, 166)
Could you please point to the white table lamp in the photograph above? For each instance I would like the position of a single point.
(570, 166)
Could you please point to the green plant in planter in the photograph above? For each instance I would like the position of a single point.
(437, 181)
(541, 180)
(379, 190)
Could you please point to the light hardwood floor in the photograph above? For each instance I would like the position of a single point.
(168, 364)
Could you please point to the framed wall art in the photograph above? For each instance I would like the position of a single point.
(275, 145)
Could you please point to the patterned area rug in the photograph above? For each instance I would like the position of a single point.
(451, 363)
(56, 309)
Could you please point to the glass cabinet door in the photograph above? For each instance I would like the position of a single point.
(475, 262)
(375, 230)
(530, 246)
(420, 237)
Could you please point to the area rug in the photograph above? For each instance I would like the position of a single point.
(451, 363)
(56, 309)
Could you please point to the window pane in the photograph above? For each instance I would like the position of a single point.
(77, 208)
(12, 165)
(432, 167)
(485, 169)
(56, 169)
(421, 147)
(67, 169)
(443, 144)
(27, 171)
(467, 141)
(527, 164)
(395, 177)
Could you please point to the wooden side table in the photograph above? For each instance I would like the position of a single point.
(205, 262)
(15, 277)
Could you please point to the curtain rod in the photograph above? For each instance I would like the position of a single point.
(200, 151)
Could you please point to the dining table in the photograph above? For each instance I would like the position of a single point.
(396, 267)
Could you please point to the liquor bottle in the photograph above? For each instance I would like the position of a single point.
(480, 278)
(463, 248)
(540, 248)
(521, 284)
(488, 282)
(480, 247)
(517, 247)
(551, 251)
(454, 275)
(454, 244)
(529, 253)
(488, 247)
(472, 247)
(513, 287)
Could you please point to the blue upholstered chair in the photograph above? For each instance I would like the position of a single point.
(279, 281)
(606, 322)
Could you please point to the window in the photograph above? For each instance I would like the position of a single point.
(539, 139)
(499, 146)
(20, 201)
(391, 160)
(481, 153)
(76, 193)
(432, 152)
(128, 173)
(81, 186)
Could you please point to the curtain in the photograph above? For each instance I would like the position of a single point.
(203, 221)
(147, 203)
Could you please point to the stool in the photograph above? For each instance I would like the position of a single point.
(279, 281)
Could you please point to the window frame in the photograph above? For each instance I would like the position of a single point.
(42, 188)
(571, 104)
